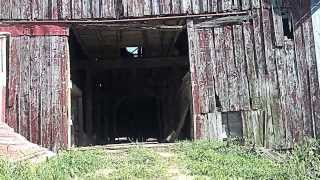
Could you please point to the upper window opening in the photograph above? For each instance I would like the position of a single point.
(287, 25)
(132, 52)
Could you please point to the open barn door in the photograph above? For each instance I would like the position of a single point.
(218, 72)
(3, 72)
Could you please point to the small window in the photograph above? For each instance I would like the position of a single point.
(135, 52)
(287, 24)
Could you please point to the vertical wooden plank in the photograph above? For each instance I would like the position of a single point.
(255, 4)
(139, 8)
(24, 93)
(270, 84)
(53, 9)
(35, 62)
(108, 8)
(279, 120)
(260, 60)
(213, 128)
(5, 9)
(302, 66)
(277, 23)
(25, 9)
(293, 107)
(45, 93)
(13, 84)
(309, 40)
(155, 7)
(246, 4)
(15, 12)
(64, 7)
(220, 63)
(248, 133)
(235, 4)
(85, 9)
(204, 55)
(165, 6)
(95, 8)
(244, 54)
(316, 40)
(195, 6)
(3, 77)
(176, 6)
(76, 9)
(226, 5)
(232, 73)
(186, 6)
(313, 83)
(212, 6)
(204, 6)
(211, 72)
(193, 57)
(147, 9)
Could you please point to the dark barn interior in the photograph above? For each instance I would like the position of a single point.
(130, 83)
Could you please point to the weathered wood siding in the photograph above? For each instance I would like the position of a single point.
(106, 9)
(252, 68)
(315, 9)
(37, 89)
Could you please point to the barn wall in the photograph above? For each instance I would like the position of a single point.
(37, 89)
(315, 7)
(106, 9)
(253, 69)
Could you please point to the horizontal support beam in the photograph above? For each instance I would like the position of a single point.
(138, 63)
(139, 19)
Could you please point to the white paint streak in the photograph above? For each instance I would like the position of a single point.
(3, 60)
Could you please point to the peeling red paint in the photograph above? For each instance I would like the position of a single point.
(35, 30)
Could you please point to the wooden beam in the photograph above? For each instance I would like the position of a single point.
(139, 63)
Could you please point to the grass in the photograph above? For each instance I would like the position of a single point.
(219, 160)
(202, 160)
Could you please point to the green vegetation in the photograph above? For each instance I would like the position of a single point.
(137, 163)
(220, 160)
(202, 160)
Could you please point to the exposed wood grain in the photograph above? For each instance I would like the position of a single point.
(220, 63)
(13, 85)
(24, 121)
(155, 7)
(246, 4)
(195, 6)
(165, 6)
(242, 51)
(176, 6)
(186, 6)
(76, 9)
(232, 72)
(304, 96)
(35, 63)
(213, 5)
(95, 8)
(277, 23)
(147, 9)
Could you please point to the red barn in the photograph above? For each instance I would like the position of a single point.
(106, 71)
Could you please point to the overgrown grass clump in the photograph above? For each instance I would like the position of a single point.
(137, 163)
(219, 160)
(201, 159)
(65, 165)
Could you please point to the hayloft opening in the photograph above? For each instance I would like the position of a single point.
(130, 84)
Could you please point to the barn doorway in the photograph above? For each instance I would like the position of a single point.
(130, 83)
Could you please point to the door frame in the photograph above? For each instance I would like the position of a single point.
(6, 35)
